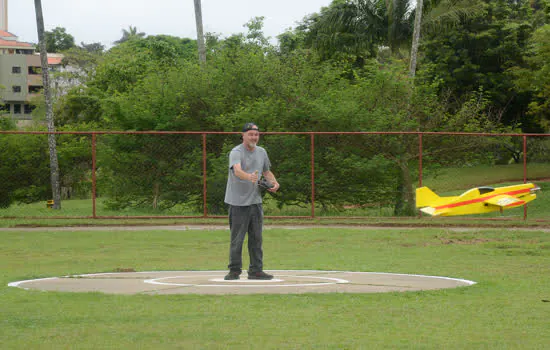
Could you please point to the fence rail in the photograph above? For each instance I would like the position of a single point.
(162, 174)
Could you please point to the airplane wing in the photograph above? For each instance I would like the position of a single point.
(504, 201)
(433, 211)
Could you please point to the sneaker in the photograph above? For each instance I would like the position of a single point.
(260, 275)
(232, 275)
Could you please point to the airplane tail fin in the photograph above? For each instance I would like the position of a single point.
(425, 197)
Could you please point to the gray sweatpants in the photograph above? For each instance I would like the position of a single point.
(242, 220)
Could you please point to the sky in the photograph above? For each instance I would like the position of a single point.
(102, 21)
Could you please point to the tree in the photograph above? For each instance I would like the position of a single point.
(113, 73)
(200, 34)
(82, 60)
(68, 83)
(360, 27)
(535, 78)
(54, 165)
(367, 28)
(24, 169)
(93, 47)
(130, 34)
(479, 53)
(441, 14)
(58, 40)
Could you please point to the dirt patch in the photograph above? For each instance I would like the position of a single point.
(124, 269)
(464, 241)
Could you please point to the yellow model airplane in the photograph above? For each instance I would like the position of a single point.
(477, 200)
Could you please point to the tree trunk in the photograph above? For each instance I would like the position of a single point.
(416, 37)
(408, 191)
(54, 165)
(200, 34)
(156, 195)
(404, 200)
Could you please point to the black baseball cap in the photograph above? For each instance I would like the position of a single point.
(250, 126)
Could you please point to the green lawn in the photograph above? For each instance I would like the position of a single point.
(84, 207)
(459, 179)
(504, 310)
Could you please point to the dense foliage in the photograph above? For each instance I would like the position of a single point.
(58, 40)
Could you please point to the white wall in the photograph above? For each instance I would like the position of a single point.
(4, 15)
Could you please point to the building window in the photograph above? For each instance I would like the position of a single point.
(16, 70)
(28, 108)
(17, 109)
(16, 88)
(24, 52)
(34, 89)
(34, 70)
(5, 108)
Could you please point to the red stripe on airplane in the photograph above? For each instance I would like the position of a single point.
(483, 199)
(515, 204)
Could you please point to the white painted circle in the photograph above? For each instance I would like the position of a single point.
(190, 281)
(237, 283)
(245, 280)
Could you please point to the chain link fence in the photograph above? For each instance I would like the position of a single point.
(322, 174)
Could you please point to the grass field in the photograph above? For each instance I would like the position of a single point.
(452, 179)
(504, 310)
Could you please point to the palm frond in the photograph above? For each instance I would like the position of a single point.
(449, 13)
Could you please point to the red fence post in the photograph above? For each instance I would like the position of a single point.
(205, 208)
(93, 175)
(420, 149)
(312, 138)
(525, 172)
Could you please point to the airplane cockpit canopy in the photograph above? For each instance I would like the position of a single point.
(485, 189)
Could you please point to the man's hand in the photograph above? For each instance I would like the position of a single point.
(241, 174)
(253, 177)
(274, 188)
(272, 180)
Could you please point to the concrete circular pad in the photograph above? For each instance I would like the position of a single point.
(212, 282)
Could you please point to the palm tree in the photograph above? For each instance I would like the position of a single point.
(131, 33)
(200, 34)
(439, 14)
(364, 26)
(416, 37)
(54, 165)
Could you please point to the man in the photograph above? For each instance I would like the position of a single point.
(242, 194)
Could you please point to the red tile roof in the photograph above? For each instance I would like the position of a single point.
(54, 60)
(12, 43)
(5, 34)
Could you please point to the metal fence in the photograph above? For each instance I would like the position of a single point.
(111, 174)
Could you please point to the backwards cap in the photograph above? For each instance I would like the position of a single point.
(250, 126)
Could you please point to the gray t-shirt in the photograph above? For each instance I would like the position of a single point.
(243, 192)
